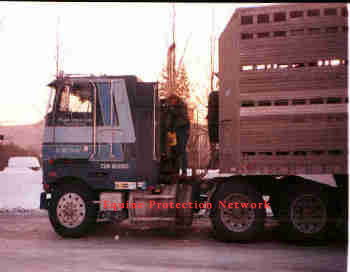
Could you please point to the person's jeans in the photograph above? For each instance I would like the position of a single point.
(182, 135)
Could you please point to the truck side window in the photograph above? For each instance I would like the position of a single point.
(106, 106)
(75, 106)
(115, 121)
(99, 118)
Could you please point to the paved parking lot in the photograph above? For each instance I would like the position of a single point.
(28, 243)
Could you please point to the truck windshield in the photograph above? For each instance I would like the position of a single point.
(75, 100)
(75, 106)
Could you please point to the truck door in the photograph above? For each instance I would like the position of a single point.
(114, 125)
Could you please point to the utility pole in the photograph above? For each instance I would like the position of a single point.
(173, 71)
(58, 48)
(212, 51)
(213, 146)
(183, 54)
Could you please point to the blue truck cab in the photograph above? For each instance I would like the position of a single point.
(101, 142)
(102, 130)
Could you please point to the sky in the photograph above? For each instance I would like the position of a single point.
(98, 38)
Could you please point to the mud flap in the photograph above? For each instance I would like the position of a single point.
(44, 202)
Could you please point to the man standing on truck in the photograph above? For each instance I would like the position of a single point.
(180, 124)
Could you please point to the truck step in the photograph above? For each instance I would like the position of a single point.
(155, 197)
(153, 219)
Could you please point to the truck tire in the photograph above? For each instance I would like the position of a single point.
(341, 201)
(305, 214)
(72, 212)
(238, 224)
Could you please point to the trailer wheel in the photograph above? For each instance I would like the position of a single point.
(238, 224)
(306, 215)
(71, 212)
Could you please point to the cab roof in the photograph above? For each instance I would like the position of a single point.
(73, 78)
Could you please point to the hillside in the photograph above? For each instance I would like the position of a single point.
(26, 136)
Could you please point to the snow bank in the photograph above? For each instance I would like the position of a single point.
(23, 162)
(20, 188)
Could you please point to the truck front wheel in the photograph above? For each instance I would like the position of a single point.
(72, 212)
(241, 221)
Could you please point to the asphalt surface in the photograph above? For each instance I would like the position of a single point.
(28, 243)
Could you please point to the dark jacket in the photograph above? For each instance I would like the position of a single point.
(179, 115)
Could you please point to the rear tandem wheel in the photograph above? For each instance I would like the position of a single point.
(238, 224)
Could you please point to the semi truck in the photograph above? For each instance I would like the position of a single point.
(277, 125)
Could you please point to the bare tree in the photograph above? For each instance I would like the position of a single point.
(174, 78)
(179, 84)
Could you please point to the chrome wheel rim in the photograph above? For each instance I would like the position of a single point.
(71, 210)
(308, 214)
(237, 219)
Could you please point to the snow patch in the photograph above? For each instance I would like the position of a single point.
(20, 189)
(23, 162)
